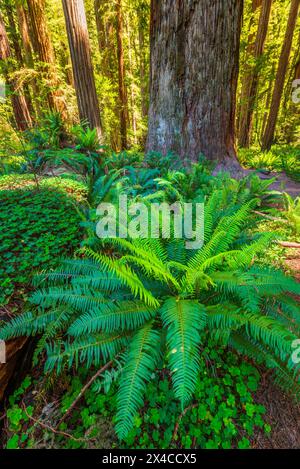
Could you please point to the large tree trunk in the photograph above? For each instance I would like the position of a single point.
(280, 76)
(121, 74)
(249, 91)
(19, 104)
(43, 47)
(79, 43)
(194, 70)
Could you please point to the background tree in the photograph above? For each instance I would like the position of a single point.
(77, 31)
(42, 44)
(250, 87)
(280, 76)
(121, 74)
(19, 104)
(194, 71)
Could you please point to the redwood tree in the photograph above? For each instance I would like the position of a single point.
(194, 70)
(42, 44)
(14, 38)
(79, 43)
(121, 74)
(280, 76)
(250, 80)
(106, 38)
(24, 31)
(23, 24)
(19, 104)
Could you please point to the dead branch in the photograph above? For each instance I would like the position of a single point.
(83, 390)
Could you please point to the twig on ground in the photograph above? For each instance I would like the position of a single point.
(48, 427)
(83, 390)
(269, 217)
(193, 406)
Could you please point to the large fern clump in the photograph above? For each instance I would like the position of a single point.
(149, 302)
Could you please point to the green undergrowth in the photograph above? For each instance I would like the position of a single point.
(223, 413)
(279, 158)
(38, 226)
(65, 184)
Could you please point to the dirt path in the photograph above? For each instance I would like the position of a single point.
(283, 184)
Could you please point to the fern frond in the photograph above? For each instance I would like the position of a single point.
(184, 320)
(90, 350)
(141, 360)
(126, 276)
(28, 324)
(123, 315)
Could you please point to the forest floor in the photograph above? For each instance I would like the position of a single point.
(282, 413)
(283, 184)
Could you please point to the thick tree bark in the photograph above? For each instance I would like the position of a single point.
(249, 91)
(194, 70)
(19, 103)
(121, 74)
(43, 47)
(79, 43)
(280, 76)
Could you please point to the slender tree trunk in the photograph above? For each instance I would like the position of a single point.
(24, 31)
(43, 47)
(19, 104)
(132, 91)
(142, 26)
(23, 23)
(12, 32)
(79, 43)
(106, 37)
(18, 53)
(267, 105)
(249, 52)
(143, 72)
(121, 73)
(100, 24)
(251, 79)
(280, 76)
(194, 70)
